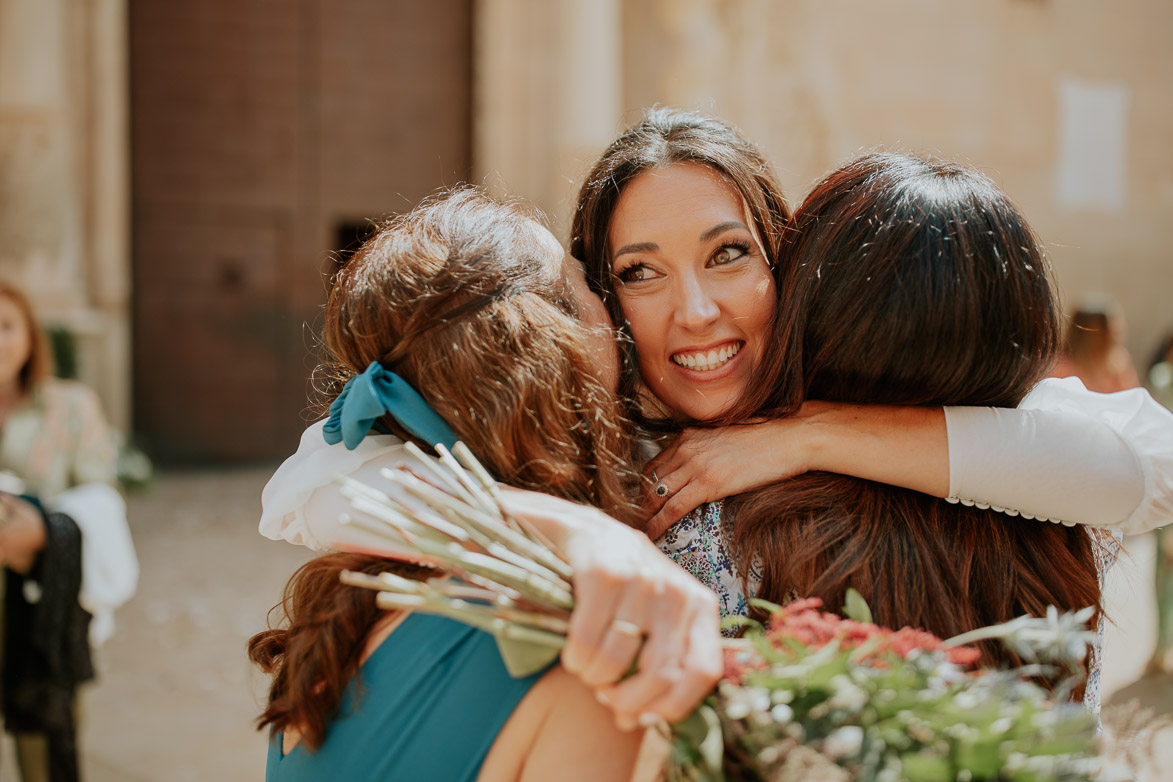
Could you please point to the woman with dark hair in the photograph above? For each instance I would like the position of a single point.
(910, 281)
(673, 220)
(474, 305)
(679, 225)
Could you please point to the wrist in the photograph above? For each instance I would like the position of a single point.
(822, 435)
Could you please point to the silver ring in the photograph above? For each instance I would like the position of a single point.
(623, 627)
(661, 489)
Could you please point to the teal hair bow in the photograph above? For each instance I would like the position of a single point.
(367, 397)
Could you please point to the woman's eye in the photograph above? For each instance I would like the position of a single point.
(637, 272)
(729, 253)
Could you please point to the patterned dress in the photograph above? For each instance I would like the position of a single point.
(698, 544)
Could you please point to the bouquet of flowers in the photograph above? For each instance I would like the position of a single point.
(808, 695)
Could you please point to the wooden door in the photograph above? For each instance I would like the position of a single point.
(259, 131)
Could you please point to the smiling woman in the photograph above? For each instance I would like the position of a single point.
(679, 225)
(694, 285)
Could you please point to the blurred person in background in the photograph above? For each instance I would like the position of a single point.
(1161, 372)
(64, 543)
(1094, 350)
(1160, 382)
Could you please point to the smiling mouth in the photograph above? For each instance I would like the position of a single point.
(707, 361)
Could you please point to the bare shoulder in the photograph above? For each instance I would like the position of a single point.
(560, 731)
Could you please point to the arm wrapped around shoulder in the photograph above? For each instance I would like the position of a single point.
(1068, 454)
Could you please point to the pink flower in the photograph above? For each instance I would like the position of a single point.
(802, 621)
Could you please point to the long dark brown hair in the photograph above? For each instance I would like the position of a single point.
(910, 281)
(666, 137)
(461, 298)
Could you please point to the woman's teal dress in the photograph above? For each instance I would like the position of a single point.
(426, 705)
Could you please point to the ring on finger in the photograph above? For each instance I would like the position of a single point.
(661, 489)
(623, 627)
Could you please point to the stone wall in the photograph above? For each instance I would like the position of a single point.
(63, 177)
(1065, 104)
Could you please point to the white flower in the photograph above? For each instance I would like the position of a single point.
(782, 713)
(846, 694)
(843, 742)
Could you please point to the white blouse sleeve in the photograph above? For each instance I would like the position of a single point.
(1067, 455)
(109, 566)
(302, 502)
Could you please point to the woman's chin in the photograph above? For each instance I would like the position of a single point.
(695, 407)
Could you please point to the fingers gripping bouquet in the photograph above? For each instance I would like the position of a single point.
(808, 695)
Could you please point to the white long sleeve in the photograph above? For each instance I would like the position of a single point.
(302, 504)
(1067, 454)
(109, 566)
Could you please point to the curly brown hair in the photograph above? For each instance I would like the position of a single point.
(463, 299)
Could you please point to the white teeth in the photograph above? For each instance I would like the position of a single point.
(704, 362)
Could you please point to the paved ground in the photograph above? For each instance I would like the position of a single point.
(176, 694)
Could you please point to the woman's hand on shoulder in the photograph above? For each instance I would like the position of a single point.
(633, 607)
(703, 465)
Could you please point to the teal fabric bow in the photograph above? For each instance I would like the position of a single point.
(366, 397)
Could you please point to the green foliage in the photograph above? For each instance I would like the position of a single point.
(63, 344)
(857, 608)
(870, 713)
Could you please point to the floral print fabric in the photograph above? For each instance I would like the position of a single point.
(698, 544)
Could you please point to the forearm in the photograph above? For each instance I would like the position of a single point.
(901, 446)
(1050, 464)
(1043, 463)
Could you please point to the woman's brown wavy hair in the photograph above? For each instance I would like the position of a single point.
(910, 281)
(464, 299)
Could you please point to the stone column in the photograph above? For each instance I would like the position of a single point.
(547, 96)
(63, 176)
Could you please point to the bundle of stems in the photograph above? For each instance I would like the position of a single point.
(491, 570)
(914, 714)
(496, 572)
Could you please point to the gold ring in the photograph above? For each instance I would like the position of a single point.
(623, 627)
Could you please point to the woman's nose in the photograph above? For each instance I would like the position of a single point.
(696, 307)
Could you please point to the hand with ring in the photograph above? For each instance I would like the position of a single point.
(703, 465)
(660, 488)
(634, 609)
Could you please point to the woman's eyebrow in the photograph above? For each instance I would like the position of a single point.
(638, 247)
(721, 228)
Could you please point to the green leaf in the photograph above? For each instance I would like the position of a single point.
(699, 745)
(923, 767)
(857, 607)
(523, 658)
(713, 746)
(764, 605)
